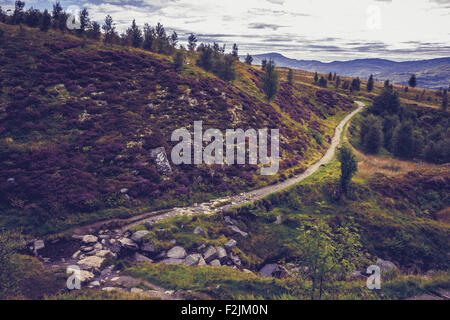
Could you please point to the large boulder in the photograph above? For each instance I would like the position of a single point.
(235, 229)
(269, 270)
(385, 265)
(148, 247)
(210, 254)
(105, 254)
(200, 232)
(176, 253)
(91, 263)
(215, 263)
(230, 244)
(162, 163)
(38, 245)
(221, 253)
(128, 244)
(139, 235)
(89, 239)
(192, 259)
(141, 258)
(82, 275)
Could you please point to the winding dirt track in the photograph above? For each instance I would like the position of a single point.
(229, 202)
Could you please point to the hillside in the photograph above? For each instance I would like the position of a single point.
(81, 123)
(431, 74)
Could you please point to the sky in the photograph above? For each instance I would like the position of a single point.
(324, 30)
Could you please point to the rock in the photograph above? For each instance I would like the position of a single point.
(210, 254)
(235, 229)
(221, 253)
(278, 221)
(94, 284)
(269, 270)
(162, 163)
(139, 235)
(128, 244)
(11, 180)
(76, 254)
(173, 261)
(385, 265)
(98, 246)
(148, 247)
(192, 259)
(137, 290)
(141, 258)
(109, 289)
(88, 239)
(228, 220)
(86, 249)
(105, 254)
(236, 260)
(92, 262)
(215, 263)
(201, 262)
(356, 275)
(124, 190)
(230, 244)
(177, 253)
(86, 276)
(199, 231)
(104, 237)
(38, 245)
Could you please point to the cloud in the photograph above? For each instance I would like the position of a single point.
(264, 26)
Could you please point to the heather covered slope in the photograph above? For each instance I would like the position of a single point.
(78, 121)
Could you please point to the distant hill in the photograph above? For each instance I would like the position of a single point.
(431, 74)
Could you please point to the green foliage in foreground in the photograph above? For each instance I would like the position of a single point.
(226, 283)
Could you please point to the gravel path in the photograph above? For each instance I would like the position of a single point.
(229, 202)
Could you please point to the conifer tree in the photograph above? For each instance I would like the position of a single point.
(270, 80)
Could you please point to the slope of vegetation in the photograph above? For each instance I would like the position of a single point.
(78, 120)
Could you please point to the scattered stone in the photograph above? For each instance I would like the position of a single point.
(215, 263)
(210, 254)
(82, 275)
(278, 221)
(199, 231)
(385, 265)
(94, 284)
(192, 260)
(98, 246)
(139, 235)
(201, 262)
(105, 254)
(124, 190)
(76, 254)
(162, 163)
(87, 239)
(148, 247)
(141, 258)
(228, 220)
(92, 262)
(109, 289)
(230, 244)
(221, 253)
(38, 245)
(86, 249)
(137, 290)
(236, 260)
(128, 243)
(235, 229)
(177, 253)
(269, 270)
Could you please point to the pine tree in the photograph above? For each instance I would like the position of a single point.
(386, 84)
(370, 84)
(263, 64)
(412, 81)
(18, 15)
(135, 35)
(149, 38)
(235, 52)
(356, 84)
(372, 135)
(323, 82)
(192, 40)
(291, 77)
(349, 167)
(57, 14)
(386, 103)
(338, 81)
(249, 59)
(330, 76)
(84, 20)
(94, 32)
(316, 77)
(46, 21)
(109, 29)
(179, 59)
(270, 80)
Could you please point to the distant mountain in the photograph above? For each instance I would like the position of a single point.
(431, 74)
